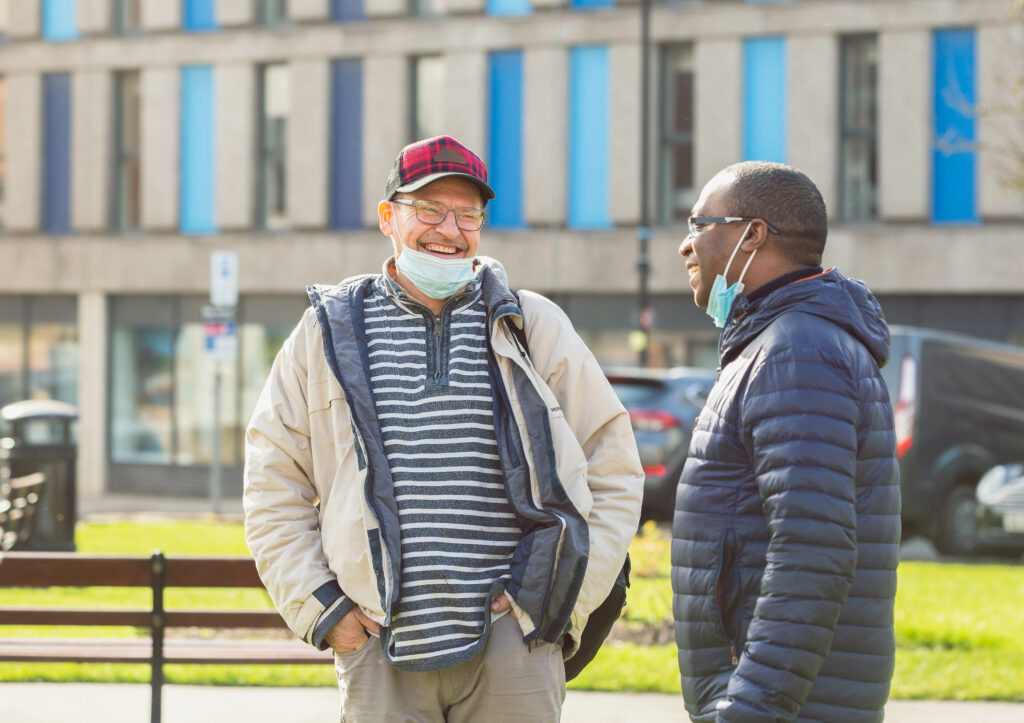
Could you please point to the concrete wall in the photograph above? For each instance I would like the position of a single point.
(94, 16)
(308, 10)
(1001, 121)
(466, 108)
(92, 396)
(813, 87)
(307, 165)
(25, 19)
(235, 12)
(159, 15)
(236, 143)
(23, 148)
(545, 135)
(624, 144)
(161, 110)
(718, 104)
(386, 115)
(91, 150)
(905, 133)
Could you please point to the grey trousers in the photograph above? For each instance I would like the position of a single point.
(503, 682)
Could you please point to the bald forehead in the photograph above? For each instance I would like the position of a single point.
(715, 195)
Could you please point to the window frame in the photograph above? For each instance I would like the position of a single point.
(671, 139)
(848, 132)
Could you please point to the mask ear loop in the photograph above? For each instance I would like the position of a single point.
(734, 252)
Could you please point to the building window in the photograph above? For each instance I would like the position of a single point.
(764, 99)
(505, 141)
(127, 159)
(858, 111)
(60, 20)
(56, 202)
(676, 192)
(589, 136)
(954, 158)
(271, 12)
(428, 97)
(509, 7)
(127, 17)
(38, 349)
(162, 384)
(199, 15)
(274, 103)
(3, 149)
(426, 8)
(197, 179)
(347, 10)
(346, 199)
(5, 19)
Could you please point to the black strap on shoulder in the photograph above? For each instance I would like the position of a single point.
(517, 332)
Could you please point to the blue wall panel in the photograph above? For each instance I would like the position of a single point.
(346, 191)
(509, 7)
(347, 10)
(56, 201)
(199, 15)
(589, 108)
(505, 139)
(765, 91)
(198, 166)
(953, 180)
(585, 4)
(60, 21)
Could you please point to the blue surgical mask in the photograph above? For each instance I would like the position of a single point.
(437, 278)
(722, 295)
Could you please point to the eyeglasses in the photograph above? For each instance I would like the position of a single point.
(696, 224)
(468, 218)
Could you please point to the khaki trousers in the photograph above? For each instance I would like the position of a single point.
(505, 681)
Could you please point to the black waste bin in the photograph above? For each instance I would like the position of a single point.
(42, 440)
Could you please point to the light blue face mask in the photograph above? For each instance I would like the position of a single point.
(722, 295)
(437, 278)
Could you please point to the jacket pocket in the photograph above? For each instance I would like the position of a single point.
(727, 591)
(322, 393)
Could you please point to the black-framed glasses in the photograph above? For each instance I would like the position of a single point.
(696, 224)
(434, 213)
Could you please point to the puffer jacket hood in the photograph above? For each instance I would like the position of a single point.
(847, 303)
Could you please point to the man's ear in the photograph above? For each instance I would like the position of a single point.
(757, 236)
(385, 217)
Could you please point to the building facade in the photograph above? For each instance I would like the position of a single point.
(139, 136)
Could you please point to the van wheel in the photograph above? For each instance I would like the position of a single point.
(958, 523)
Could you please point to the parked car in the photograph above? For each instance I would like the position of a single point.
(1001, 507)
(959, 409)
(663, 405)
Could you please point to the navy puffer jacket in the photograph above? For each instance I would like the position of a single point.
(786, 531)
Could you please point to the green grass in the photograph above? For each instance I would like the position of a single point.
(956, 630)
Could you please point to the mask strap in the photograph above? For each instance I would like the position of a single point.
(735, 251)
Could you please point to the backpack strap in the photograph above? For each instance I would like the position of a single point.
(518, 332)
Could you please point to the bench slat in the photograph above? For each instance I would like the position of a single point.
(142, 618)
(176, 650)
(52, 569)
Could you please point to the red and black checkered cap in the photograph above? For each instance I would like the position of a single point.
(428, 160)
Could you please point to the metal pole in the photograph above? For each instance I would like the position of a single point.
(157, 568)
(215, 464)
(643, 231)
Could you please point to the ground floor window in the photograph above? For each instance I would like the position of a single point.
(38, 348)
(162, 381)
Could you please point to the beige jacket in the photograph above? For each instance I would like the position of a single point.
(301, 450)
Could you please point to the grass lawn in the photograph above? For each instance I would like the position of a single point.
(955, 634)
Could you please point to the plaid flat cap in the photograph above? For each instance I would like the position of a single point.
(428, 160)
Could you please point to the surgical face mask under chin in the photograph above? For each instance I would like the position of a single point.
(722, 295)
(437, 278)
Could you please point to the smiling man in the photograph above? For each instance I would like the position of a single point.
(440, 483)
(786, 530)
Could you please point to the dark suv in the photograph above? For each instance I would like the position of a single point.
(663, 405)
(959, 408)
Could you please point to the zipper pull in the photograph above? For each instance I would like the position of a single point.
(437, 326)
(735, 658)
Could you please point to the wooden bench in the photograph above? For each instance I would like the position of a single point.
(18, 501)
(157, 572)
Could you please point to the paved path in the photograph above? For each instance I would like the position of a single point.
(118, 703)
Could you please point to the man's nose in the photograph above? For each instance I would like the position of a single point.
(449, 226)
(686, 247)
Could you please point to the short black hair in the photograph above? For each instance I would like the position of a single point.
(786, 198)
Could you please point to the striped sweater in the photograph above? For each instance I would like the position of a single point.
(433, 398)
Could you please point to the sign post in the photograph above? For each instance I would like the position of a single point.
(220, 345)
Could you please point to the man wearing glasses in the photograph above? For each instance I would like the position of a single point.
(786, 529)
(440, 483)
